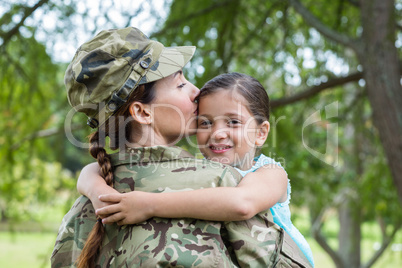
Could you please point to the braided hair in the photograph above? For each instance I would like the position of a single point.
(115, 130)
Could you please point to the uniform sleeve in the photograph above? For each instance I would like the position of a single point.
(253, 241)
(229, 178)
(259, 242)
(73, 232)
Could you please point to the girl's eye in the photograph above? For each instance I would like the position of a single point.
(181, 85)
(233, 122)
(204, 123)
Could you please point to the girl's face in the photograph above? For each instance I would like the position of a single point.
(174, 109)
(227, 131)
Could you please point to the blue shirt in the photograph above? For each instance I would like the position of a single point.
(281, 211)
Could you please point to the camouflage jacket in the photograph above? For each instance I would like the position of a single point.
(159, 242)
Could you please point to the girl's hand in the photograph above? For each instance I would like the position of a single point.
(97, 203)
(91, 184)
(127, 208)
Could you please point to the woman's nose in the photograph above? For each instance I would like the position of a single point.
(195, 91)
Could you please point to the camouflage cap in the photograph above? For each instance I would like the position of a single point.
(106, 70)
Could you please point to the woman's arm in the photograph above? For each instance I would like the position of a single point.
(92, 185)
(256, 192)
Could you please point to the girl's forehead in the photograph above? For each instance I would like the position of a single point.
(225, 95)
(224, 101)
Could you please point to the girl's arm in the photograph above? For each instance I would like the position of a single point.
(256, 192)
(92, 185)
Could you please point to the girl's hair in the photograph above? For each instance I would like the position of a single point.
(247, 86)
(119, 132)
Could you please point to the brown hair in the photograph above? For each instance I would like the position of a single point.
(115, 130)
(247, 86)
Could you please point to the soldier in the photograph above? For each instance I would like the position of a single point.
(134, 92)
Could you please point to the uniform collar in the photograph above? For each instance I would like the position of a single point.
(154, 154)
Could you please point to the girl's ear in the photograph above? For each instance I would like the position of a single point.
(141, 113)
(262, 133)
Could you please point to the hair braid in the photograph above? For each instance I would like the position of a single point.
(98, 152)
(89, 253)
(144, 94)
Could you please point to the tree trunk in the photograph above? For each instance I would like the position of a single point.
(349, 210)
(3, 216)
(379, 58)
(349, 234)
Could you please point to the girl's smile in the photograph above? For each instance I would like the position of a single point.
(227, 131)
(219, 148)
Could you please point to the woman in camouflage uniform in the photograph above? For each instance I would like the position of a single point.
(134, 92)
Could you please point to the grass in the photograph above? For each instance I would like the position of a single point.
(33, 249)
(26, 249)
(31, 244)
(371, 237)
(390, 259)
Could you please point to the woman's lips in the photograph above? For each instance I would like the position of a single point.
(219, 148)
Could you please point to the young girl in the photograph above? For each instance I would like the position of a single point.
(232, 125)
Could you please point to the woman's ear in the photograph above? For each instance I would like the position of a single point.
(141, 113)
(262, 133)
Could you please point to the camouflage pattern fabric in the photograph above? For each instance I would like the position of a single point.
(108, 68)
(159, 242)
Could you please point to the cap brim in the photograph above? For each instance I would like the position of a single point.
(171, 60)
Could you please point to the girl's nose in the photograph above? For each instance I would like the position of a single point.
(220, 134)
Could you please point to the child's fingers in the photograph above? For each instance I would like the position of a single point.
(123, 222)
(105, 211)
(112, 198)
(113, 218)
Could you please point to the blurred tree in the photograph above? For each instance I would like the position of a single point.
(38, 158)
(331, 69)
(370, 43)
(30, 101)
(307, 55)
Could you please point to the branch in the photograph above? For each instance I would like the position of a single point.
(43, 134)
(354, 3)
(308, 93)
(317, 223)
(339, 14)
(191, 16)
(28, 12)
(321, 28)
(316, 231)
(353, 104)
(398, 27)
(311, 92)
(259, 26)
(263, 38)
(16, 64)
(386, 240)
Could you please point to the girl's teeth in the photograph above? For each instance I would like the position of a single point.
(220, 148)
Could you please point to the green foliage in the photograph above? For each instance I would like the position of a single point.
(271, 42)
(265, 39)
(27, 187)
(30, 100)
(376, 182)
(39, 162)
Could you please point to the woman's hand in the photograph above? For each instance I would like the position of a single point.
(126, 208)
